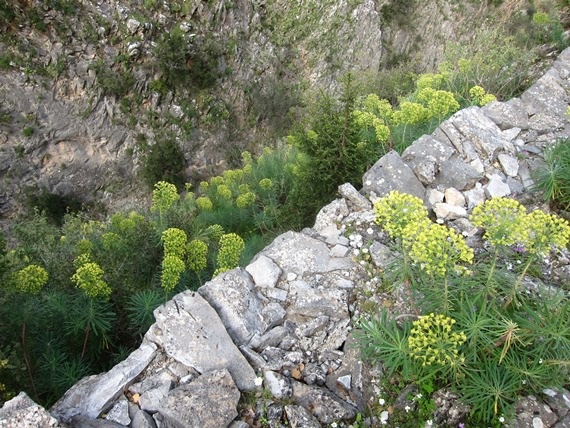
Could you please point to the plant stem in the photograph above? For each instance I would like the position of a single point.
(87, 332)
(27, 360)
(518, 283)
(491, 272)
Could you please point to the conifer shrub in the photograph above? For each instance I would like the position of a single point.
(164, 161)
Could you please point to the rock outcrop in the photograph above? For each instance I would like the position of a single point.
(285, 321)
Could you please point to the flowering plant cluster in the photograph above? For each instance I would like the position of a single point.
(89, 278)
(432, 341)
(231, 247)
(480, 335)
(30, 279)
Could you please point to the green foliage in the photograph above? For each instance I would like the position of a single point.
(54, 206)
(553, 178)
(116, 83)
(231, 247)
(172, 269)
(28, 131)
(489, 340)
(496, 62)
(31, 279)
(183, 62)
(332, 151)
(164, 161)
(140, 309)
(89, 278)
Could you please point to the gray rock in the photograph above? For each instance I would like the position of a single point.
(140, 418)
(321, 403)
(425, 157)
(434, 196)
(339, 251)
(496, 188)
(449, 409)
(235, 299)
(457, 174)
(558, 399)
(510, 114)
(546, 95)
(480, 131)
(331, 214)
(190, 331)
(299, 417)
(95, 394)
(446, 212)
(277, 384)
(210, 401)
(298, 253)
(312, 303)
(331, 234)
(454, 197)
(391, 173)
(381, 255)
(22, 411)
(264, 271)
(475, 196)
(358, 202)
(272, 337)
(532, 413)
(119, 413)
(509, 164)
(133, 25)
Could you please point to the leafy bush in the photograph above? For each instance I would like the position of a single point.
(164, 161)
(553, 179)
(478, 330)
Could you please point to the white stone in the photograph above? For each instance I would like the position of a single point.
(277, 294)
(496, 188)
(264, 271)
(384, 417)
(454, 197)
(537, 423)
(477, 165)
(339, 251)
(277, 384)
(434, 196)
(446, 211)
(474, 196)
(345, 381)
(509, 164)
(133, 25)
(511, 134)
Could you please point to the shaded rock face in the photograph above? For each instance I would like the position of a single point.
(285, 321)
(82, 126)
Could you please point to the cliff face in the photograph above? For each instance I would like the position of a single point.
(86, 86)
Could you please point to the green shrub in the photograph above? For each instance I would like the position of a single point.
(117, 83)
(477, 331)
(164, 161)
(553, 179)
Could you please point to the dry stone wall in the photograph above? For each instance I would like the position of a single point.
(285, 321)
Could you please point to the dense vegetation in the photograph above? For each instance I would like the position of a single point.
(78, 293)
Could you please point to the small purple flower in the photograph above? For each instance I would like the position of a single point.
(461, 425)
(519, 248)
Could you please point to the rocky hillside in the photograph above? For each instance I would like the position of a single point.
(87, 87)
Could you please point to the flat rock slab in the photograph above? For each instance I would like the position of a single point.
(391, 173)
(323, 404)
(191, 332)
(93, 395)
(210, 401)
(233, 296)
(22, 411)
(298, 253)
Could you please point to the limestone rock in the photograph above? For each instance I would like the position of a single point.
(425, 157)
(457, 174)
(279, 385)
(299, 417)
(510, 114)
(454, 197)
(234, 298)
(445, 211)
(264, 271)
(297, 253)
(210, 401)
(95, 394)
(348, 192)
(322, 404)
(119, 413)
(496, 188)
(532, 413)
(391, 173)
(509, 164)
(190, 331)
(22, 411)
(480, 131)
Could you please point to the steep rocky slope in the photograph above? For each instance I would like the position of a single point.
(86, 87)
